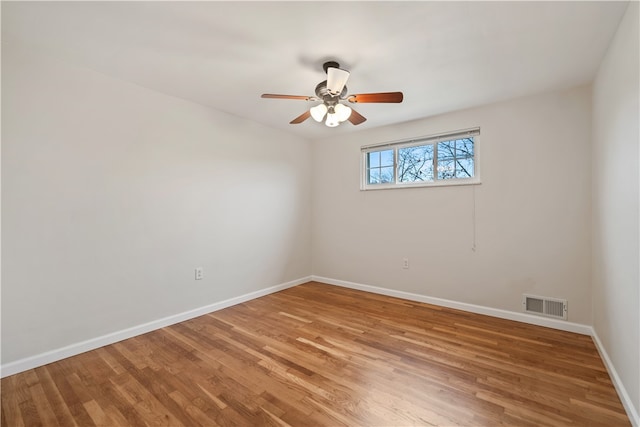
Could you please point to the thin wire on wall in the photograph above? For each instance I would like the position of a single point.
(473, 216)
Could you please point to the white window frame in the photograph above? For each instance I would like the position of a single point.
(415, 142)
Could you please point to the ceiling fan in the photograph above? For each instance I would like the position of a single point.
(330, 92)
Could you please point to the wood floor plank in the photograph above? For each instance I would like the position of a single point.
(9, 391)
(3, 418)
(45, 412)
(59, 374)
(54, 399)
(323, 355)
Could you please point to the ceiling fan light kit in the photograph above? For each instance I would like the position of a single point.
(331, 92)
(335, 114)
(342, 112)
(318, 112)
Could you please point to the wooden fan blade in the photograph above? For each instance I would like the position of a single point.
(356, 118)
(377, 97)
(301, 118)
(300, 97)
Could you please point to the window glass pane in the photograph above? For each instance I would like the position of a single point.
(374, 176)
(446, 169)
(386, 174)
(427, 171)
(446, 150)
(464, 168)
(464, 147)
(373, 159)
(415, 163)
(386, 158)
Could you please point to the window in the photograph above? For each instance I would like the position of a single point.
(446, 159)
(380, 167)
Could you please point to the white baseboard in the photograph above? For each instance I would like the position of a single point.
(81, 347)
(632, 411)
(510, 315)
(479, 309)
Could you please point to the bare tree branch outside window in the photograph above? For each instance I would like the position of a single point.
(415, 163)
(455, 159)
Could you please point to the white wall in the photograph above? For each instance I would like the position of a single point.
(616, 254)
(112, 194)
(532, 210)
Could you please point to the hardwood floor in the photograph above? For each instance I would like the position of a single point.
(319, 355)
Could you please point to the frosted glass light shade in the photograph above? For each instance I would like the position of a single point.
(318, 112)
(343, 112)
(336, 79)
(332, 120)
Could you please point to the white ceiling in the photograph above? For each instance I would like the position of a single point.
(444, 56)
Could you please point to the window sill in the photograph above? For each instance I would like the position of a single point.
(443, 183)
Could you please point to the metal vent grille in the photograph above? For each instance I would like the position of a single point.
(543, 306)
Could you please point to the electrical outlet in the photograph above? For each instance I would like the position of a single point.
(199, 273)
(405, 263)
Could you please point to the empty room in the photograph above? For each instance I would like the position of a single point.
(320, 213)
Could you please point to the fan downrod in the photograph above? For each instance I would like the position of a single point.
(330, 64)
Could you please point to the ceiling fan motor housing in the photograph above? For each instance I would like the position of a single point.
(323, 93)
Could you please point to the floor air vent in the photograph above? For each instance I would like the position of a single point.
(542, 306)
